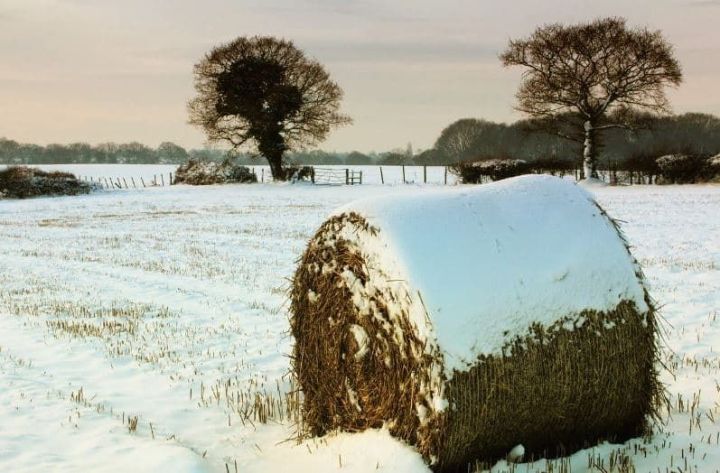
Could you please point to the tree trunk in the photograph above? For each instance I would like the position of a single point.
(273, 148)
(276, 168)
(590, 151)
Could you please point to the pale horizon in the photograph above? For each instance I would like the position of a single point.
(98, 71)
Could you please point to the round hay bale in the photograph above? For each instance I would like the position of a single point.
(199, 172)
(473, 320)
(22, 182)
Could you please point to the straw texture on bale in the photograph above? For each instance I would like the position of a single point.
(358, 373)
(364, 359)
(21, 182)
(198, 172)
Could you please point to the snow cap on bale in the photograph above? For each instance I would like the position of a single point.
(472, 320)
(488, 260)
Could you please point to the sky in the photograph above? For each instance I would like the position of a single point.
(121, 70)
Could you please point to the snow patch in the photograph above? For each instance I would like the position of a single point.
(361, 338)
(592, 182)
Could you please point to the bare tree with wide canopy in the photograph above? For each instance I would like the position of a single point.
(601, 72)
(263, 92)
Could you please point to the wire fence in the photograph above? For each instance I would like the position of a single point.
(397, 174)
(158, 180)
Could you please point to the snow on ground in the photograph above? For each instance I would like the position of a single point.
(148, 329)
(148, 172)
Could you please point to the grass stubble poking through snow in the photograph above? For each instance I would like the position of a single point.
(153, 325)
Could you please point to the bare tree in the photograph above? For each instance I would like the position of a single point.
(263, 92)
(469, 138)
(602, 72)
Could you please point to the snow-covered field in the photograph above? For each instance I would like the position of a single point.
(147, 330)
(148, 172)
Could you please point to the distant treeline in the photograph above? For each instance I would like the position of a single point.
(12, 152)
(530, 140)
(464, 140)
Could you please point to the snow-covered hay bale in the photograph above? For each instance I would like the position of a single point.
(20, 182)
(473, 172)
(473, 320)
(200, 172)
(714, 164)
(683, 168)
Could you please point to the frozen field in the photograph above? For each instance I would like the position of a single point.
(371, 174)
(147, 331)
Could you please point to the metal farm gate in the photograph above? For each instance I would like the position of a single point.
(337, 177)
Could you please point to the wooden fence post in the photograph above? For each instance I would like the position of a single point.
(403, 170)
(262, 175)
(614, 173)
(162, 179)
(133, 182)
(171, 179)
(425, 174)
(382, 178)
(126, 186)
(143, 181)
(347, 176)
(445, 175)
